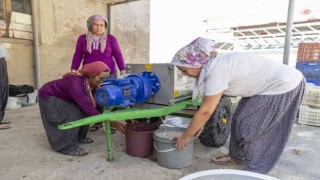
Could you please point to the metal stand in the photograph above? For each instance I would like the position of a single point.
(125, 114)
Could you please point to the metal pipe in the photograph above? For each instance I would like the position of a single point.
(109, 18)
(287, 44)
(109, 141)
(36, 43)
(127, 114)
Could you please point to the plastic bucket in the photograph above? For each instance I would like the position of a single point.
(226, 174)
(167, 155)
(139, 141)
(13, 103)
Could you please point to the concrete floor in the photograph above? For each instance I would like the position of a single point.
(26, 154)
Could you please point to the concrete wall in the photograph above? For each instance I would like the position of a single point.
(60, 24)
(19, 62)
(130, 23)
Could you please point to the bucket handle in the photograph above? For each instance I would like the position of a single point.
(168, 150)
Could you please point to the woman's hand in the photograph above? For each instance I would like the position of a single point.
(182, 141)
(122, 72)
(119, 126)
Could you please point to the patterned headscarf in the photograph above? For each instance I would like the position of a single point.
(103, 39)
(2, 22)
(93, 18)
(195, 54)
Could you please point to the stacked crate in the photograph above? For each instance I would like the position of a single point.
(308, 52)
(308, 62)
(309, 113)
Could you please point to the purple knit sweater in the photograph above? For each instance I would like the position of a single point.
(111, 55)
(69, 88)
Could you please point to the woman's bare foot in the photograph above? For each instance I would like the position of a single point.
(224, 160)
(4, 126)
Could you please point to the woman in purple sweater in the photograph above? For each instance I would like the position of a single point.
(68, 99)
(98, 45)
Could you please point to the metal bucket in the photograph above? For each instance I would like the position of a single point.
(167, 155)
(139, 141)
(226, 174)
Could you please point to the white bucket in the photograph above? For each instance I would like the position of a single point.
(176, 122)
(226, 174)
(13, 103)
(29, 99)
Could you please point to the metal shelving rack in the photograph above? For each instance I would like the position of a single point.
(269, 37)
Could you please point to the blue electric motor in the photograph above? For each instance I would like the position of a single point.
(134, 89)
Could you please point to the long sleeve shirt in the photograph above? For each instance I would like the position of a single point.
(112, 54)
(3, 52)
(70, 88)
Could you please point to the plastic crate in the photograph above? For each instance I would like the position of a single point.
(310, 70)
(308, 52)
(311, 96)
(315, 82)
(309, 116)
